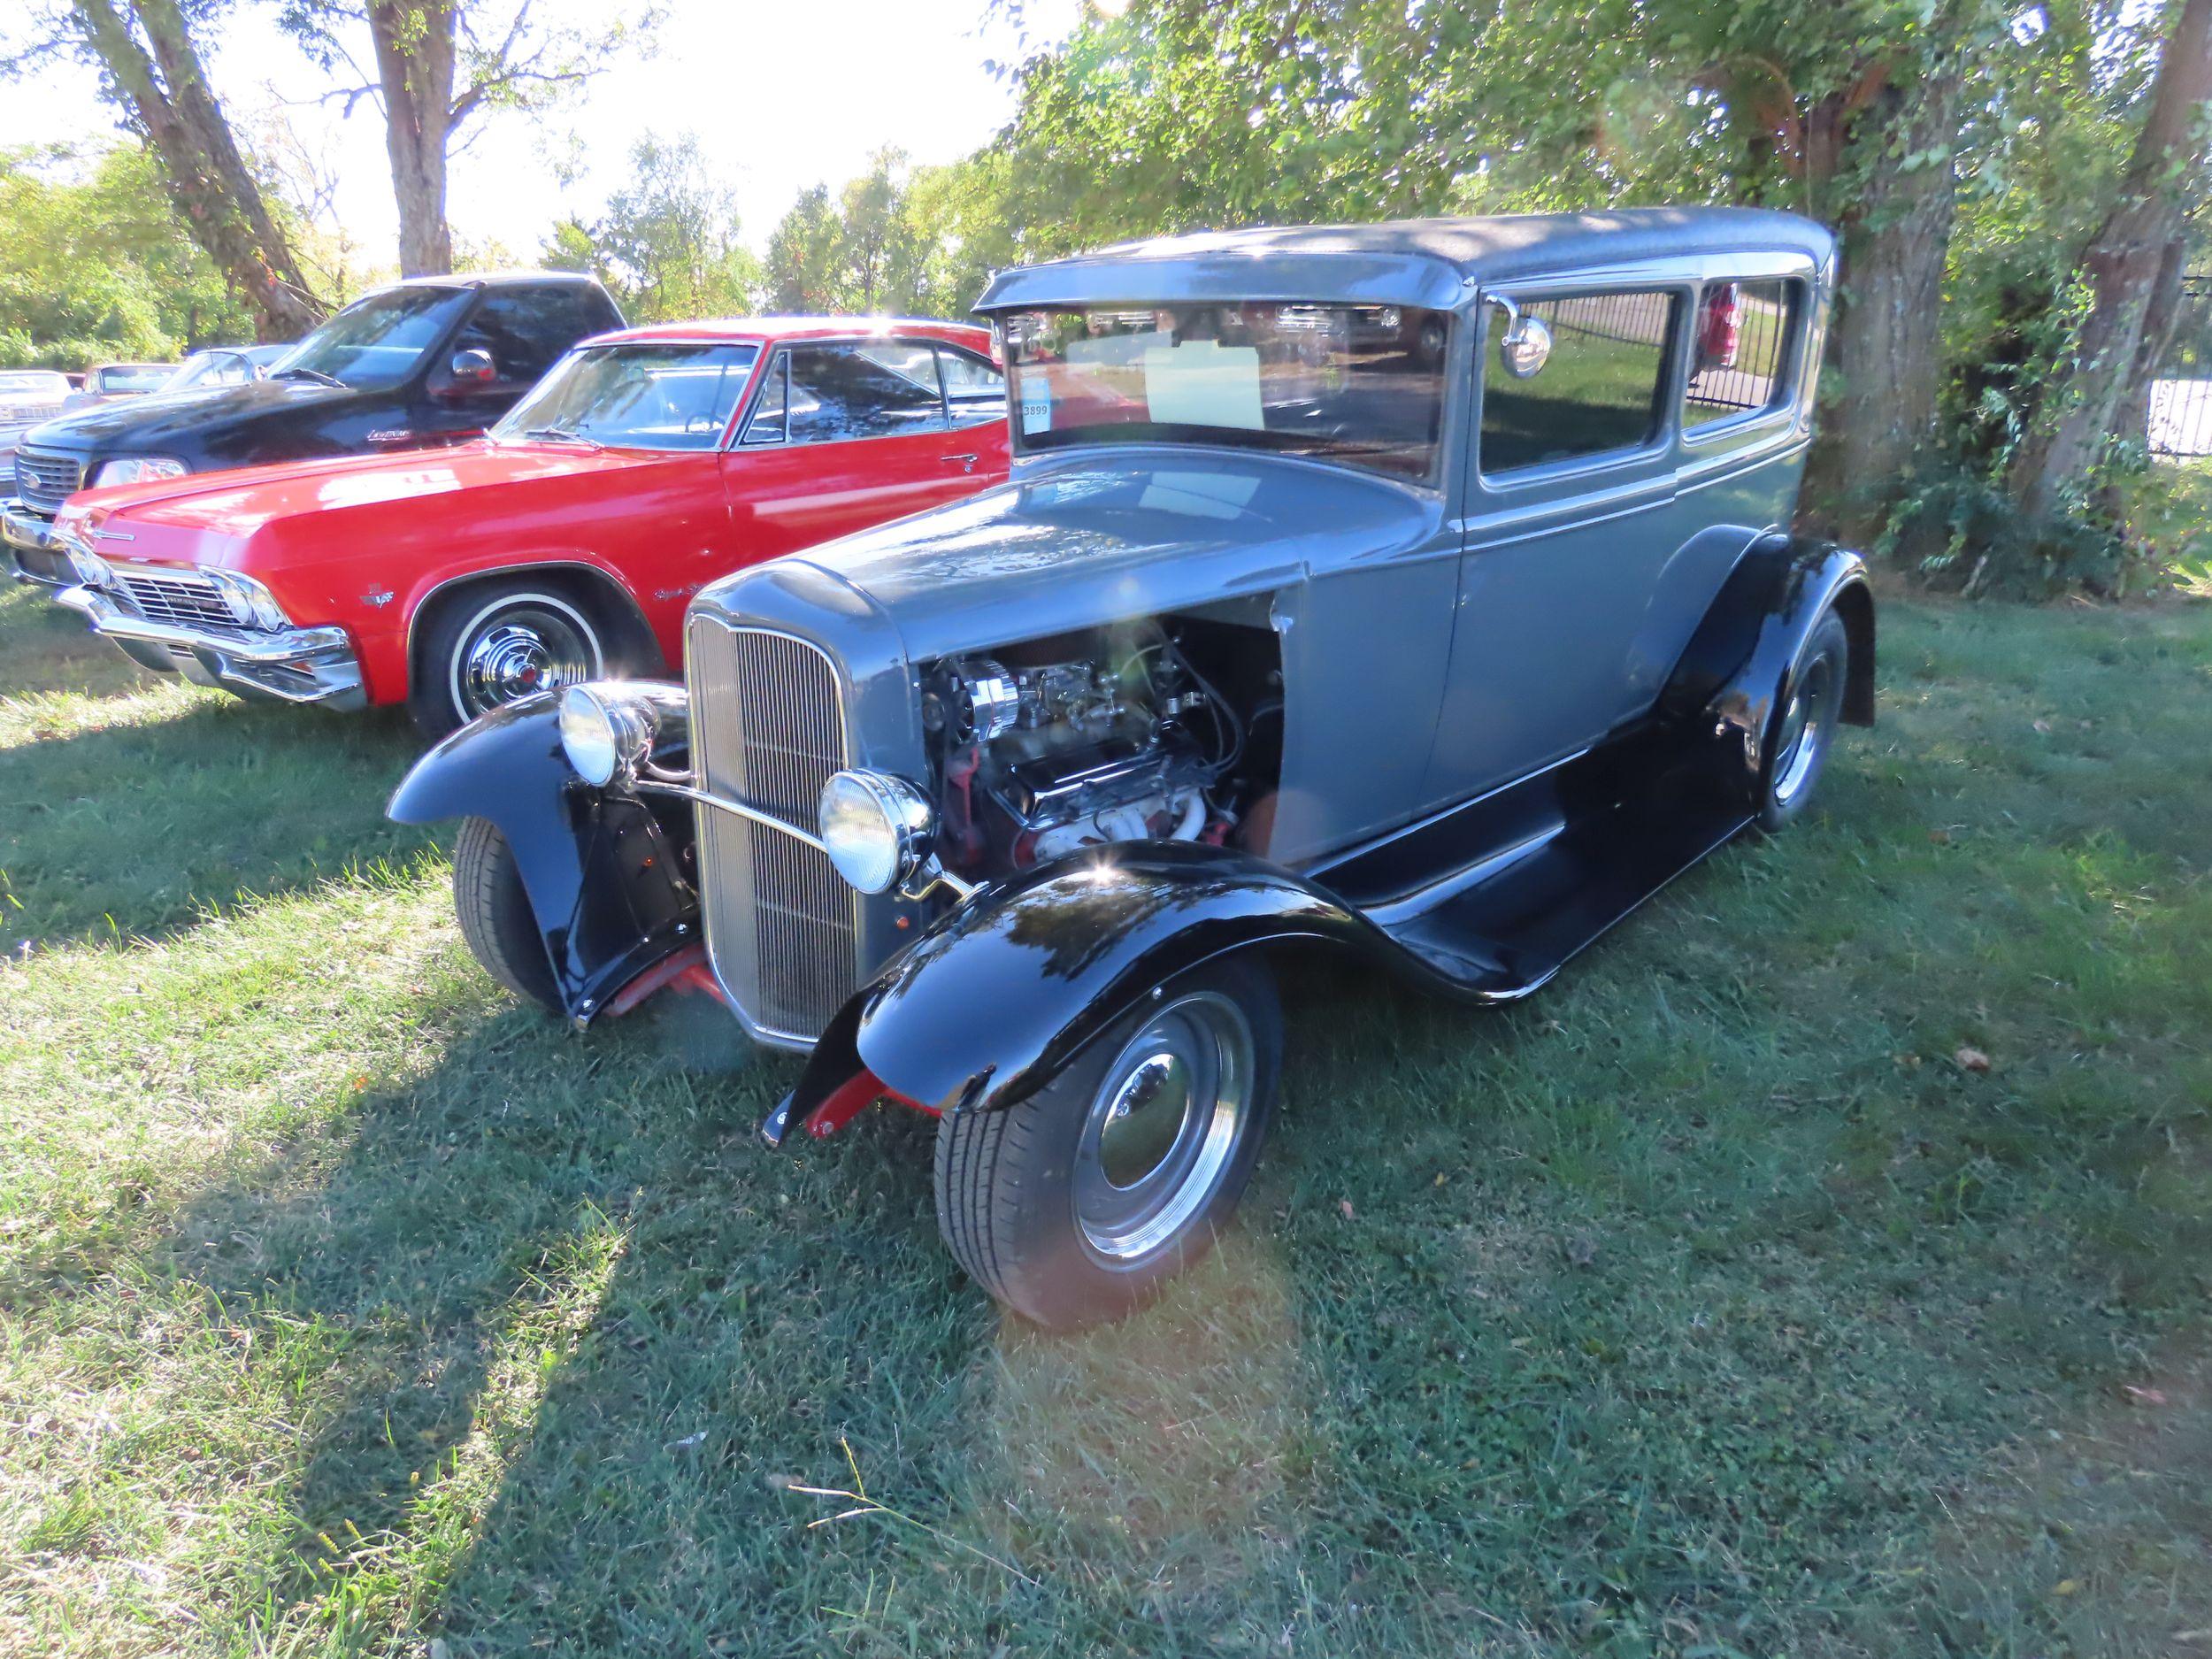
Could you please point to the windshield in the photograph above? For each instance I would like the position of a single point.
(136, 377)
(1361, 385)
(35, 384)
(375, 342)
(209, 368)
(637, 397)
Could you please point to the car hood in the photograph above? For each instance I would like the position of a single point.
(207, 512)
(1076, 544)
(143, 425)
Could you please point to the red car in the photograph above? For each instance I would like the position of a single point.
(563, 546)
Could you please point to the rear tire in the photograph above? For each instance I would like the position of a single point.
(1805, 725)
(496, 642)
(1077, 1205)
(496, 920)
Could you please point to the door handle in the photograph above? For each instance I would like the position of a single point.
(967, 461)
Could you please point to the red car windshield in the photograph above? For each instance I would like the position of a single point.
(641, 397)
(1361, 385)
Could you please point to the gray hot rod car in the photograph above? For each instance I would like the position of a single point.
(1422, 590)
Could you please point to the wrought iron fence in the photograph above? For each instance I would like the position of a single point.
(1745, 381)
(2181, 396)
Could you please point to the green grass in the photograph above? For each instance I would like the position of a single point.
(1704, 1306)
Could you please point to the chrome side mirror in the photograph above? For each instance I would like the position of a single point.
(474, 367)
(1525, 345)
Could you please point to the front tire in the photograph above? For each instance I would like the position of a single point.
(1805, 725)
(497, 642)
(497, 922)
(1077, 1205)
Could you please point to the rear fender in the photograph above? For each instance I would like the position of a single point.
(606, 874)
(1736, 669)
(1002, 993)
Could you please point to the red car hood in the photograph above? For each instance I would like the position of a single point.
(205, 518)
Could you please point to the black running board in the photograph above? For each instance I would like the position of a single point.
(1493, 897)
(1511, 931)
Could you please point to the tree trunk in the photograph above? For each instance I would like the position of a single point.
(166, 94)
(2122, 262)
(414, 64)
(1885, 336)
(2162, 314)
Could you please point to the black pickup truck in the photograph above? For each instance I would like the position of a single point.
(431, 361)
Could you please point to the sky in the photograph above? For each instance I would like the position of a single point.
(789, 96)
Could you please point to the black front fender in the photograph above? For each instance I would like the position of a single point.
(609, 876)
(1002, 993)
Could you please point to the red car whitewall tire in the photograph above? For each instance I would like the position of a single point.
(502, 641)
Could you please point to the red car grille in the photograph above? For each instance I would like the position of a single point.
(181, 599)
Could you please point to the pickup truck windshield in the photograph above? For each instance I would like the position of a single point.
(643, 396)
(1360, 385)
(374, 343)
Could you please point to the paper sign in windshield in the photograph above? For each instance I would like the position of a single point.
(1036, 403)
(1204, 383)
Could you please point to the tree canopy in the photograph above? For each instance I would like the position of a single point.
(94, 264)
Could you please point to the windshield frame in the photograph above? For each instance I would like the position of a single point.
(512, 427)
(1435, 478)
(431, 294)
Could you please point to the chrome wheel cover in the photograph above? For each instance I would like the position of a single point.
(1806, 724)
(1162, 1126)
(521, 648)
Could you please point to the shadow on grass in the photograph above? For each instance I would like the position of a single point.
(43, 645)
(566, 1331)
(134, 831)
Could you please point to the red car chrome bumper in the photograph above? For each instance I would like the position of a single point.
(314, 665)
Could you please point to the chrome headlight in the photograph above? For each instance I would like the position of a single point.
(604, 730)
(876, 829)
(138, 469)
(246, 599)
(91, 569)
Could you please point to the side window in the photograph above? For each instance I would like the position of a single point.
(769, 421)
(526, 330)
(1738, 350)
(975, 391)
(842, 392)
(1599, 390)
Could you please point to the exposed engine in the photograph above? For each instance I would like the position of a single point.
(1061, 744)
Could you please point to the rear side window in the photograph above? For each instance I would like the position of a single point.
(838, 393)
(526, 330)
(1598, 391)
(1739, 351)
(975, 391)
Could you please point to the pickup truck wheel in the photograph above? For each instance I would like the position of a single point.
(1077, 1204)
(495, 917)
(1805, 726)
(492, 643)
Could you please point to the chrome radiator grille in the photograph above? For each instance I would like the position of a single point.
(45, 479)
(768, 728)
(182, 600)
